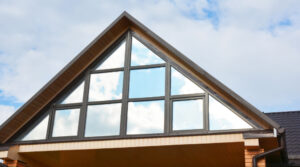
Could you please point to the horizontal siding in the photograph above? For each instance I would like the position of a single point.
(127, 143)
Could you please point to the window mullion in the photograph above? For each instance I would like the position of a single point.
(206, 112)
(83, 111)
(125, 93)
(167, 128)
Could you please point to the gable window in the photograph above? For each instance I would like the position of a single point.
(188, 114)
(147, 82)
(133, 89)
(39, 132)
(103, 120)
(66, 122)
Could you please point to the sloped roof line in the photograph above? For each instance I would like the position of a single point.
(125, 17)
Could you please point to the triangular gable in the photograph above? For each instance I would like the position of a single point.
(87, 57)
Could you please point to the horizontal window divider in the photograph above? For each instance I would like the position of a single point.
(67, 106)
(188, 96)
(63, 138)
(147, 66)
(104, 102)
(189, 131)
(107, 70)
(146, 99)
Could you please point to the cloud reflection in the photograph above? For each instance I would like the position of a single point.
(145, 117)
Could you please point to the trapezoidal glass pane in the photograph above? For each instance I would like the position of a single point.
(222, 118)
(147, 82)
(145, 117)
(39, 132)
(66, 122)
(182, 85)
(188, 114)
(115, 59)
(103, 120)
(106, 86)
(75, 96)
(141, 55)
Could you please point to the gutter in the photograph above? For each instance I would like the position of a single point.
(281, 148)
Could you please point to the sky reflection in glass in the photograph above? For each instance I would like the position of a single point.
(141, 55)
(182, 85)
(115, 59)
(103, 120)
(66, 122)
(106, 86)
(147, 82)
(75, 96)
(221, 117)
(39, 132)
(188, 114)
(145, 117)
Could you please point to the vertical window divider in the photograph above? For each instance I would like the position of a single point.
(125, 93)
(167, 120)
(206, 112)
(49, 123)
(83, 109)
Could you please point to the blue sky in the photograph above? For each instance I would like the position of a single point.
(251, 46)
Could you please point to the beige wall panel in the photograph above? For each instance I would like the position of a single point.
(127, 143)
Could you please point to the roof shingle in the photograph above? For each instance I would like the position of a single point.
(291, 122)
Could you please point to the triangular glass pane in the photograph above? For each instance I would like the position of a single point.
(75, 96)
(141, 55)
(182, 85)
(221, 117)
(39, 132)
(115, 59)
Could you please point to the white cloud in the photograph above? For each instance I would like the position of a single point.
(75, 96)
(5, 112)
(104, 86)
(66, 122)
(221, 117)
(141, 55)
(115, 60)
(188, 86)
(103, 120)
(39, 132)
(145, 117)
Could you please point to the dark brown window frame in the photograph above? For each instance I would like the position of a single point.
(168, 99)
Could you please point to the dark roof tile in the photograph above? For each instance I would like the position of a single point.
(291, 122)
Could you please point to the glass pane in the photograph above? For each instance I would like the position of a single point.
(141, 55)
(114, 59)
(221, 117)
(75, 96)
(66, 122)
(182, 85)
(39, 132)
(145, 117)
(106, 86)
(188, 114)
(147, 82)
(103, 120)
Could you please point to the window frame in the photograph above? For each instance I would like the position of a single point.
(168, 98)
(200, 96)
